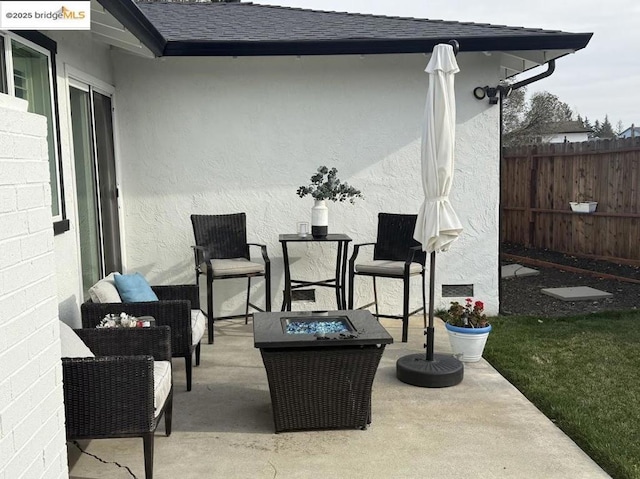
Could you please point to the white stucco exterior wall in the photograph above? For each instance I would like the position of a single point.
(222, 135)
(76, 50)
(32, 433)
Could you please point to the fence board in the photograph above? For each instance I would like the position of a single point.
(537, 183)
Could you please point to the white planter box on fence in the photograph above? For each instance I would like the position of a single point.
(583, 206)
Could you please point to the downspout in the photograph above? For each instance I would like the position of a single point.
(504, 92)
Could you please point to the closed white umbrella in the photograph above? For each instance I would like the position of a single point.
(438, 225)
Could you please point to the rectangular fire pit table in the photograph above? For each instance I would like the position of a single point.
(320, 366)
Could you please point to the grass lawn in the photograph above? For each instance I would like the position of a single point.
(583, 372)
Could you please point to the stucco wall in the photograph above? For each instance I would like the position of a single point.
(210, 136)
(76, 50)
(32, 434)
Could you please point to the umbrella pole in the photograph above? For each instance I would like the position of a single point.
(436, 370)
(430, 329)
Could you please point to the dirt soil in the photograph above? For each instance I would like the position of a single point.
(523, 296)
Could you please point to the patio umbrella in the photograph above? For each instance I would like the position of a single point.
(437, 225)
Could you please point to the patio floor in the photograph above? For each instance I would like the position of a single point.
(481, 428)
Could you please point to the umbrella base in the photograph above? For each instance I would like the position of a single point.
(442, 372)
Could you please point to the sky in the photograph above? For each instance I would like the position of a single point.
(601, 79)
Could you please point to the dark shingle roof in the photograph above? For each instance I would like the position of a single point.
(252, 29)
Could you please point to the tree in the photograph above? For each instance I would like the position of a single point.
(524, 122)
(606, 130)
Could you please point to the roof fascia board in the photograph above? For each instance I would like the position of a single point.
(569, 41)
(132, 18)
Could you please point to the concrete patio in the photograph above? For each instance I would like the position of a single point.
(482, 428)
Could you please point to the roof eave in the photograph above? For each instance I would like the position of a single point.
(132, 18)
(355, 46)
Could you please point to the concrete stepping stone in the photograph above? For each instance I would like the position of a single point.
(517, 270)
(576, 293)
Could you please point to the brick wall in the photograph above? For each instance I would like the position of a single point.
(32, 436)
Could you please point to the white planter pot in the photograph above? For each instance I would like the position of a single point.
(467, 344)
(319, 219)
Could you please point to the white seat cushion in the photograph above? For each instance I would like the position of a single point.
(227, 267)
(71, 345)
(390, 268)
(161, 384)
(197, 326)
(105, 291)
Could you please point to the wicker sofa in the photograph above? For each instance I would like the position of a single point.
(178, 307)
(122, 391)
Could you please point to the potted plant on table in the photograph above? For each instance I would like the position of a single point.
(324, 186)
(468, 329)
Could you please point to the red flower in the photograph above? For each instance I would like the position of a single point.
(479, 305)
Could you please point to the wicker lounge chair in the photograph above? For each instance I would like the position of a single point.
(175, 308)
(111, 395)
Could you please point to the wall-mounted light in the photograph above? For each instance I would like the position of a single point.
(481, 92)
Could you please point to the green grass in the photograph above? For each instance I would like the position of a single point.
(582, 372)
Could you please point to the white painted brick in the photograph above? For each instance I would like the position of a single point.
(26, 378)
(45, 315)
(47, 194)
(32, 436)
(11, 172)
(25, 147)
(6, 448)
(8, 199)
(36, 469)
(5, 393)
(36, 171)
(55, 453)
(13, 224)
(28, 272)
(40, 219)
(37, 244)
(21, 460)
(11, 252)
(11, 361)
(41, 289)
(30, 196)
(47, 363)
(11, 305)
(41, 423)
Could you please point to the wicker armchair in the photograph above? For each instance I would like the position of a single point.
(173, 309)
(222, 252)
(112, 395)
(395, 255)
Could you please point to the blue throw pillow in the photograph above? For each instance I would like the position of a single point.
(133, 288)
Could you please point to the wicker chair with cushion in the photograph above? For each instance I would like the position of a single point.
(178, 307)
(395, 255)
(123, 390)
(222, 252)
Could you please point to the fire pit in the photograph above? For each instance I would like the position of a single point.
(320, 367)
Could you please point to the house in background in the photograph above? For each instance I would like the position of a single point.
(631, 132)
(564, 132)
(116, 135)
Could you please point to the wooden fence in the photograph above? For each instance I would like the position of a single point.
(538, 182)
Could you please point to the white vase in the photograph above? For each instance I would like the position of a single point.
(467, 344)
(319, 219)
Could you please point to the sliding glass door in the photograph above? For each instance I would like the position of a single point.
(96, 186)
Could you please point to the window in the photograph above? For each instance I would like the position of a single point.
(28, 72)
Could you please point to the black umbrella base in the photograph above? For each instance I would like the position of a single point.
(442, 372)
